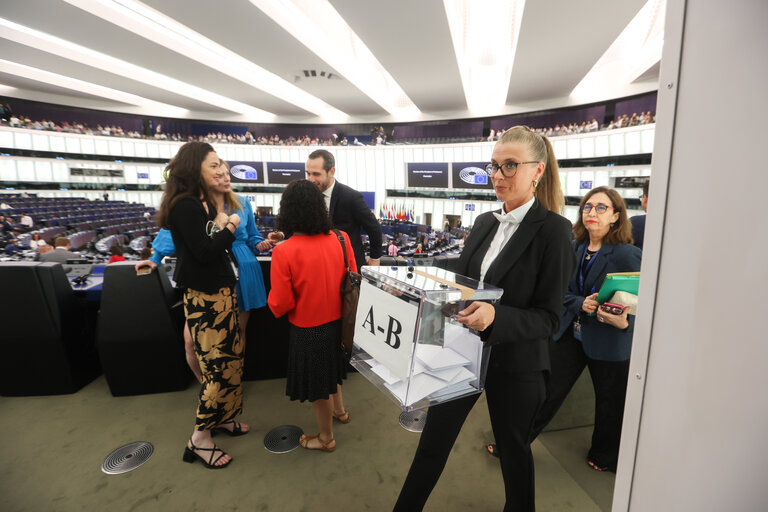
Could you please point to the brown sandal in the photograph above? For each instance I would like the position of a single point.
(342, 417)
(324, 445)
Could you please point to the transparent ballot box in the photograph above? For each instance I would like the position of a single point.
(407, 340)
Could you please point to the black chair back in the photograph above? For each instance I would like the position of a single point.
(139, 333)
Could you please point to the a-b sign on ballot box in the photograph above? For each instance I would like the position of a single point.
(385, 328)
(407, 340)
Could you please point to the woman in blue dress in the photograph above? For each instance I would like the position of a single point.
(251, 293)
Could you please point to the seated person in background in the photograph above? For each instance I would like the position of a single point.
(26, 221)
(36, 242)
(392, 249)
(117, 254)
(418, 249)
(43, 249)
(145, 253)
(61, 253)
(5, 225)
(12, 247)
(4, 206)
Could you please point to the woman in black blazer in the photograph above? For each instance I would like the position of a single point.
(525, 249)
(589, 336)
(206, 271)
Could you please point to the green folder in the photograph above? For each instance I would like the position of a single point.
(618, 282)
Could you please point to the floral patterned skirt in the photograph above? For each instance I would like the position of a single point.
(213, 323)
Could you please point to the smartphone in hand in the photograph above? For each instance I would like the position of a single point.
(612, 309)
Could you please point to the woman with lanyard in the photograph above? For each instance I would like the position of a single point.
(203, 237)
(591, 335)
(524, 249)
(251, 293)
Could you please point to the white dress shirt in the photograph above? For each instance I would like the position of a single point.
(327, 196)
(509, 224)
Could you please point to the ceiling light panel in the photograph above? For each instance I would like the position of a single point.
(319, 27)
(485, 36)
(41, 75)
(51, 44)
(637, 49)
(155, 26)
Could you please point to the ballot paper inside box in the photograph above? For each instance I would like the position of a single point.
(408, 342)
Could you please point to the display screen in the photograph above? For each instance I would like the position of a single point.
(428, 175)
(282, 173)
(246, 172)
(471, 175)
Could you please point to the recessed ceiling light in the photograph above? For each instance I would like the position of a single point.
(41, 75)
(485, 36)
(637, 48)
(319, 27)
(155, 26)
(57, 46)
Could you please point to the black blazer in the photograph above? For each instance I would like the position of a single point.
(602, 342)
(638, 230)
(533, 269)
(349, 213)
(202, 261)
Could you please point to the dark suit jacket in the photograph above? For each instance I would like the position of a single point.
(349, 213)
(533, 269)
(601, 341)
(638, 230)
(59, 256)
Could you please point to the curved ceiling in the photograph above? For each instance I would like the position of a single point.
(320, 61)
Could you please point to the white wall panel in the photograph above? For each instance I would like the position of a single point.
(40, 142)
(43, 170)
(101, 146)
(23, 140)
(26, 170)
(6, 139)
(7, 169)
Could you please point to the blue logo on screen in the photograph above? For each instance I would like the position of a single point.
(585, 185)
(250, 175)
(473, 176)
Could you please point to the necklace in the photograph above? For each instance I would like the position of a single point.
(589, 255)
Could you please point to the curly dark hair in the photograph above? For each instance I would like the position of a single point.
(302, 210)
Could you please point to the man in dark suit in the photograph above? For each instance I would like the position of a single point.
(638, 221)
(346, 206)
(61, 252)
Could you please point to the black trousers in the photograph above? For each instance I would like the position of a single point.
(513, 401)
(609, 380)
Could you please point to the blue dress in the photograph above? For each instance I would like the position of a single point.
(251, 293)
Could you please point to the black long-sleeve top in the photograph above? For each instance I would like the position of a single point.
(203, 263)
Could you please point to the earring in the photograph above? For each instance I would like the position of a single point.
(612, 224)
(535, 184)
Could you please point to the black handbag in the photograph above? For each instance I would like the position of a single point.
(350, 293)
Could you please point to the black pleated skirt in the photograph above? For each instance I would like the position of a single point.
(315, 361)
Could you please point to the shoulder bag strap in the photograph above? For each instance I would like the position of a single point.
(343, 247)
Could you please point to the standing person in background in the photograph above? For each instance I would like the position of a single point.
(203, 237)
(307, 271)
(346, 207)
(590, 336)
(638, 221)
(251, 293)
(525, 249)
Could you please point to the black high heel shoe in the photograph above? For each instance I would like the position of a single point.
(190, 456)
(236, 429)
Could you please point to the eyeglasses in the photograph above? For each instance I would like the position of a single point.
(508, 169)
(599, 208)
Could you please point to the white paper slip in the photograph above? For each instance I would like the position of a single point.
(384, 373)
(439, 358)
(421, 386)
(448, 374)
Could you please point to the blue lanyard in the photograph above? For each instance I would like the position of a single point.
(584, 271)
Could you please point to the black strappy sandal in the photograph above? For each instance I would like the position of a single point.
(190, 456)
(236, 429)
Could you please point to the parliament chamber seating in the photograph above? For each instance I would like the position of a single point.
(47, 343)
(139, 332)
